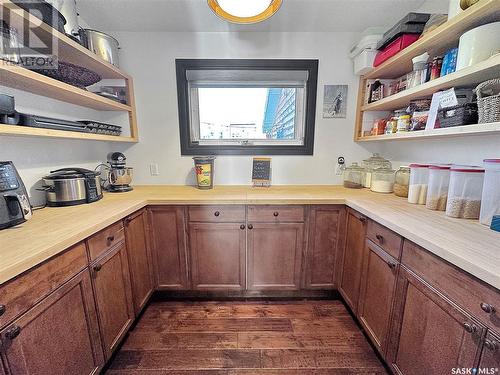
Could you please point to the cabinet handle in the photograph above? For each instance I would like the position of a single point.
(276, 214)
(250, 226)
(242, 226)
(491, 345)
(487, 308)
(217, 213)
(380, 238)
(128, 221)
(110, 239)
(391, 265)
(97, 267)
(471, 328)
(363, 220)
(2, 309)
(13, 332)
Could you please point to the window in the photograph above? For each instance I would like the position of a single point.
(247, 107)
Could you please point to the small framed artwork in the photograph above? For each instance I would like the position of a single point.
(261, 172)
(335, 101)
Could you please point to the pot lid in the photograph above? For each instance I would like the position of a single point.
(71, 173)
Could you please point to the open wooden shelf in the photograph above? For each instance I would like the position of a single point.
(457, 131)
(25, 131)
(439, 40)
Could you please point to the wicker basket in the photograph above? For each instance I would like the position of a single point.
(464, 114)
(489, 106)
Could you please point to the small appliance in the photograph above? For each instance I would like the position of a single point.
(119, 175)
(72, 186)
(15, 207)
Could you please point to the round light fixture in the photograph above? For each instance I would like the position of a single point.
(244, 11)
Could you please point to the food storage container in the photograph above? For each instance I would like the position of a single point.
(382, 180)
(419, 178)
(374, 162)
(437, 191)
(402, 182)
(404, 123)
(490, 205)
(354, 176)
(465, 191)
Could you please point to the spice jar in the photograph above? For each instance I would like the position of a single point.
(437, 191)
(490, 205)
(382, 180)
(419, 178)
(374, 162)
(465, 192)
(404, 123)
(402, 182)
(354, 176)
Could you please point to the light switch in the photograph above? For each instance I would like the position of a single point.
(154, 169)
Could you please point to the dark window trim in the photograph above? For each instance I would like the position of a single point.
(190, 148)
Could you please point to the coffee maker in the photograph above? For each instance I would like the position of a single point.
(119, 175)
(15, 207)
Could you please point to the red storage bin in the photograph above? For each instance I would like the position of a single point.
(399, 44)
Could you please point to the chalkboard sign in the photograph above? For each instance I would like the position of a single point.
(261, 171)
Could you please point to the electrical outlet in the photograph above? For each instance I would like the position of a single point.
(154, 169)
(339, 169)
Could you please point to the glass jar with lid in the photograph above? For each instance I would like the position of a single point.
(402, 182)
(354, 176)
(372, 163)
(382, 180)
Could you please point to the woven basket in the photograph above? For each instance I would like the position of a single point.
(488, 106)
(463, 114)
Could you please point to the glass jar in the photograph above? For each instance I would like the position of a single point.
(374, 162)
(419, 179)
(382, 180)
(437, 191)
(465, 192)
(354, 176)
(402, 182)
(404, 123)
(490, 205)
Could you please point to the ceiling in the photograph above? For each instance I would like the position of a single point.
(195, 15)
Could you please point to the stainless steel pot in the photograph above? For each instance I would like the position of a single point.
(103, 45)
(68, 9)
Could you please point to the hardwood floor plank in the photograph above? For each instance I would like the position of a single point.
(151, 340)
(336, 324)
(168, 372)
(229, 325)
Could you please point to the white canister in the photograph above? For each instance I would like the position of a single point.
(478, 44)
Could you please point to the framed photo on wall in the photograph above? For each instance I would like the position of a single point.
(335, 101)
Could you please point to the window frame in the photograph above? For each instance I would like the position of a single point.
(189, 148)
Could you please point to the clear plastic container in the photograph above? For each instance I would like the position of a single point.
(465, 192)
(354, 176)
(382, 180)
(437, 191)
(402, 182)
(419, 179)
(490, 205)
(372, 163)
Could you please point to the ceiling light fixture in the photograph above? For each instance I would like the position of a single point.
(244, 11)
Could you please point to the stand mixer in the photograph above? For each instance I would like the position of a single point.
(119, 175)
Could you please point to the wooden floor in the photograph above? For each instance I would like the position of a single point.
(310, 337)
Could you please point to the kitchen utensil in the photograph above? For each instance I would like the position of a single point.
(488, 101)
(72, 74)
(9, 45)
(103, 45)
(490, 205)
(15, 207)
(44, 11)
(478, 44)
(72, 186)
(119, 175)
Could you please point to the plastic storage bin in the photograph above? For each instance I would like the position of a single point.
(419, 179)
(490, 205)
(382, 180)
(437, 191)
(465, 192)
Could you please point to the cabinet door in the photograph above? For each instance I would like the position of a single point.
(141, 271)
(352, 258)
(490, 357)
(217, 252)
(325, 231)
(169, 247)
(275, 256)
(113, 296)
(378, 284)
(58, 336)
(430, 334)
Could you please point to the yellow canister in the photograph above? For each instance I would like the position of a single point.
(204, 169)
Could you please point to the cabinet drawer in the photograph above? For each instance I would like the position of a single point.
(385, 238)
(20, 294)
(217, 214)
(101, 242)
(480, 299)
(276, 214)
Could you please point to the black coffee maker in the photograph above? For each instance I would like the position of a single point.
(8, 114)
(15, 207)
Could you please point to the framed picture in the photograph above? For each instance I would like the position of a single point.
(335, 101)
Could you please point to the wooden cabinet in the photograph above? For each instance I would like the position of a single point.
(113, 295)
(351, 259)
(430, 335)
(326, 224)
(139, 258)
(490, 357)
(275, 255)
(169, 247)
(58, 336)
(378, 284)
(217, 253)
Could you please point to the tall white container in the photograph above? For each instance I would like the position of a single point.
(465, 192)
(419, 179)
(490, 205)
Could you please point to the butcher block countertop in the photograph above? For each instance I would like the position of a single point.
(464, 243)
